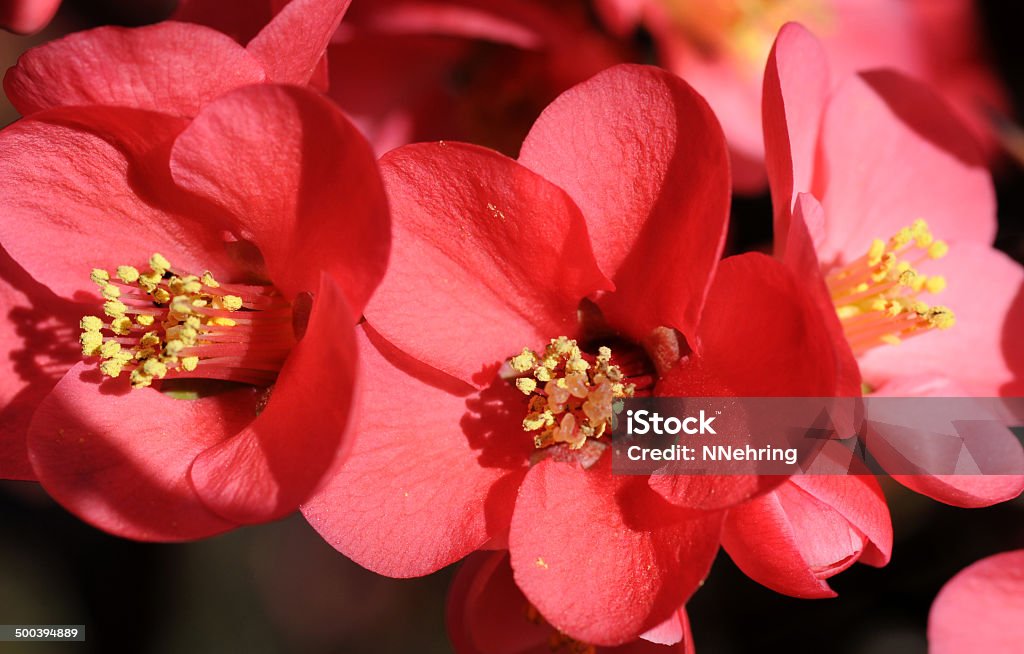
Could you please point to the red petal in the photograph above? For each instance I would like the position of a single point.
(170, 67)
(762, 336)
(807, 530)
(796, 84)
(299, 181)
(644, 158)
(488, 258)
(433, 471)
(118, 458)
(963, 490)
(266, 470)
(292, 44)
(488, 614)
(88, 187)
(981, 609)
(38, 344)
(893, 153)
(800, 257)
(27, 16)
(601, 557)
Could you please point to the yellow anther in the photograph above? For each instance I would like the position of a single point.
(848, 311)
(91, 323)
(193, 286)
(121, 326)
(938, 249)
(149, 339)
(112, 368)
(128, 274)
(901, 238)
(189, 363)
(890, 339)
(173, 347)
(140, 379)
(208, 280)
(542, 374)
(158, 263)
(145, 320)
(110, 292)
(941, 317)
(149, 281)
(155, 368)
(523, 362)
(114, 308)
(935, 284)
(895, 308)
(526, 385)
(99, 276)
(876, 251)
(109, 349)
(91, 342)
(232, 302)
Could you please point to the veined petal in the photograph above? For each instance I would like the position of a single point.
(433, 471)
(267, 469)
(644, 158)
(298, 180)
(169, 67)
(488, 258)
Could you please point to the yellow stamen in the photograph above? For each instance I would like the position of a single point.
(571, 399)
(876, 296)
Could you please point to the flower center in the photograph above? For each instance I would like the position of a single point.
(877, 296)
(168, 323)
(570, 393)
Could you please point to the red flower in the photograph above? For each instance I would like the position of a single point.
(269, 219)
(981, 609)
(488, 614)
(27, 16)
(866, 180)
(608, 231)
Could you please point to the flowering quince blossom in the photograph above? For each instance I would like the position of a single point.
(878, 189)
(720, 46)
(27, 16)
(235, 247)
(488, 614)
(521, 298)
(981, 609)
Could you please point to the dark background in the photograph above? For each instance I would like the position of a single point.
(279, 588)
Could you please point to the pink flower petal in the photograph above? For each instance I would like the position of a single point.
(38, 343)
(796, 85)
(893, 152)
(985, 290)
(488, 258)
(118, 458)
(600, 556)
(433, 471)
(981, 609)
(27, 16)
(291, 46)
(169, 67)
(267, 469)
(87, 187)
(297, 179)
(644, 158)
